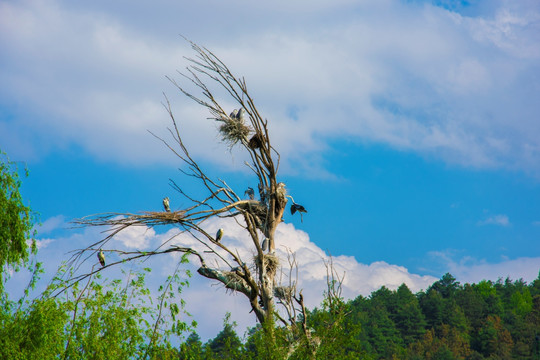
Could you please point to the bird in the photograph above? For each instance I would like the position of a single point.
(264, 245)
(166, 204)
(250, 192)
(281, 192)
(234, 114)
(219, 235)
(256, 141)
(101, 257)
(240, 114)
(297, 207)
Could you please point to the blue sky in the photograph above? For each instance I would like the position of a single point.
(409, 129)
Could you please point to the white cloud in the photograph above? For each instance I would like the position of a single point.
(135, 237)
(471, 270)
(419, 78)
(501, 220)
(51, 224)
(208, 302)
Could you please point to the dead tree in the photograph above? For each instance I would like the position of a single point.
(246, 128)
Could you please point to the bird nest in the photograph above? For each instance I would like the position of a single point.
(173, 216)
(284, 293)
(271, 264)
(233, 131)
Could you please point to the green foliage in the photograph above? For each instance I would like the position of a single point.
(95, 320)
(16, 220)
(227, 344)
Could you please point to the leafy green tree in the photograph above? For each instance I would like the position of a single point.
(192, 348)
(16, 220)
(227, 344)
(95, 320)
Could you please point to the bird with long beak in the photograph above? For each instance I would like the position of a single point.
(219, 235)
(297, 207)
(166, 204)
(101, 257)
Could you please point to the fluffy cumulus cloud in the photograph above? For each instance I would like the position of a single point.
(208, 301)
(459, 85)
(471, 270)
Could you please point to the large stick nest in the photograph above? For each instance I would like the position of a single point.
(233, 130)
(271, 264)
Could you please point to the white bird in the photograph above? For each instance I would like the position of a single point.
(281, 192)
(101, 257)
(166, 204)
(219, 235)
(234, 114)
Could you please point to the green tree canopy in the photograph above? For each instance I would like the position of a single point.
(16, 219)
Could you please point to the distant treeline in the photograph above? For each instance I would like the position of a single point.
(488, 320)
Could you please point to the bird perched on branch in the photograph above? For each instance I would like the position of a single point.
(297, 207)
(219, 235)
(234, 114)
(101, 257)
(250, 192)
(264, 244)
(166, 204)
(281, 192)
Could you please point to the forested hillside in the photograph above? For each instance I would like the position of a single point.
(488, 320)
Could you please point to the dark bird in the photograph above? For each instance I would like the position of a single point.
(166, 204)
(101, 257)
(256, 141)
(250, 192)
(219, 235)
(234, 114)
(264, 245)
(297, 207)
